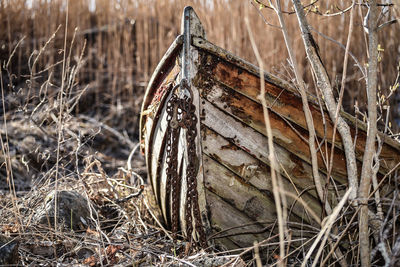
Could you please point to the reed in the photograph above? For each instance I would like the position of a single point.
(126, 39)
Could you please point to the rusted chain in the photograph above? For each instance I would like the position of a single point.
(181, 116)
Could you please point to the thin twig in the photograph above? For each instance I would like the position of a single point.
(306, 108)
(343, 47)
(369, 152)
(272, 159)
(329, 221)
(324, 85)
(339, 104)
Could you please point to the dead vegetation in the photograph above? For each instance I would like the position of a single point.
(72, 87)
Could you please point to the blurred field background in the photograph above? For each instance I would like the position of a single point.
(126, 39)
(75, 114)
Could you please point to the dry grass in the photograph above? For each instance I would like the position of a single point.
(109, 57)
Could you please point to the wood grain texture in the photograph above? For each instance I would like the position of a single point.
(285, 133)
(254, 173)
(288, 104)
(224, 216)
(256, 145)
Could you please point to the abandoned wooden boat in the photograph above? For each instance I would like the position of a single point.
(205, 144)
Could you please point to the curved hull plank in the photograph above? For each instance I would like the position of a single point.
(252, 172)
(282, 99)
(204, 138)
(285, 133)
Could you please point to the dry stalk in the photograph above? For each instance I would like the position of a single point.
(156, 220)
(343, 83)
(13, 52)
(340, 237)
(121, 137)
(306, 108)
(60, 116)
(5, 147)
(343, 47)
(303, 203)
(274, 166)
(246, 250)
(257, 254)
(324, 85)
(368, 158)
(307, 113)
(324, 233)
(32, 67)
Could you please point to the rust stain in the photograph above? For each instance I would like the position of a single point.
(298, 170)
(245, 149)
(216, 157)
(251, 113)
(289, 105)
(161, 91)
(216, 72)
(229, 146)
(236, 169)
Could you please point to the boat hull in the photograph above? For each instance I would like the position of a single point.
(233, 172)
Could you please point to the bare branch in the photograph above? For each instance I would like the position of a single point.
(274, 166)
(263, 17)
(306, 108)
(324, 85)
(368, 159)
(262, 5)
(342, 46)
(345, 60)
(387, 23)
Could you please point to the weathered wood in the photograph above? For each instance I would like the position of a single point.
(283, 100)
(285, 133)
(254, 172)
(182, 164)
(256, 145)
(233, 169)
(247, 198)
(154, 133)
(197, 103)
(163, 67)
(223, 216)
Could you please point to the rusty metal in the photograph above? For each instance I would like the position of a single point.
(181, 115)
(173, 179)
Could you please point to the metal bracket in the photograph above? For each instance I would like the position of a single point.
(190, 26)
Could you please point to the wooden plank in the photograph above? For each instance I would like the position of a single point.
(155, 140)
(160, 177)
(256, 144)
(150, 115)
(159, 140)
(288, 104)
(198, 140)
(223, 216)
(254, 172)
(153, 132)
(146, 144)
(236, 192)
(242, 231)
(285, 133)
(157, 168)
(159, 75)
(162, 181)
(182, 165)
